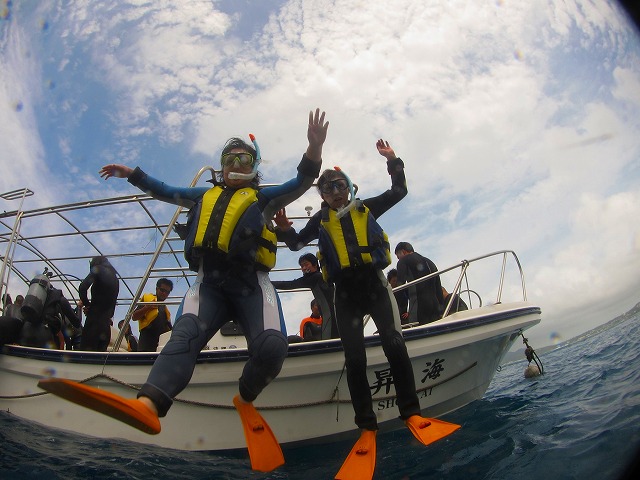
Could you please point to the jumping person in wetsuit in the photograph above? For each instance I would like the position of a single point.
(353, 252)
(322, 291)
(229, 244)
(99, 310)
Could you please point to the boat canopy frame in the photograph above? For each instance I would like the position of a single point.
(24, 249)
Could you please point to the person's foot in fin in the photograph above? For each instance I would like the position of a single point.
(429, 430)
(361, 461)
(264, 450)
(133, 412)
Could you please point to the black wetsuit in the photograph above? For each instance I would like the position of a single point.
(322, 292)
(425, 298)
(104, 285)
(365, 290)
(39, 333)
(402, 299)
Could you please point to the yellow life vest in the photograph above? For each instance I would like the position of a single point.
(152, 314)
(229, 221)
(354, 240)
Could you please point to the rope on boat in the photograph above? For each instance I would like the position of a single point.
(335, 397)
(531, 354)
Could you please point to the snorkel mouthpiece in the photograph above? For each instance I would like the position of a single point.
(352, 203)
(254, 172)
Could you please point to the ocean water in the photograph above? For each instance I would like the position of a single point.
(580, 420)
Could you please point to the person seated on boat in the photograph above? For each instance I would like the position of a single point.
(153, 320)
(130, 338)
(10, 321)
(99, 310)
(39, 328)
(6, 301)
(70, 334)
(425, 298)
(230, 243)
(354, 250)
(311, 327)
(12, 310)
(312, 279)
(402, 297)
(457, 305)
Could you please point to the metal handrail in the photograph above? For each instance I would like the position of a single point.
(154, 258)
(7, 261)
(39, 246)
(464, 266)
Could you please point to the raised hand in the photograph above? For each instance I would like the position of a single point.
(316, 134)
(317, 131)
(385, 150)
(281, 220)
(114, 170)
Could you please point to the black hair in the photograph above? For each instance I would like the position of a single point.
(309, 257)
(392, 273)
(328, 175)
(403, 246)
(164, 281)
(236, 142)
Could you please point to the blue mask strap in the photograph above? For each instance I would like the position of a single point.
(254, 172)
(352, 203)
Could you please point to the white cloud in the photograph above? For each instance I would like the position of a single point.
(509, 141)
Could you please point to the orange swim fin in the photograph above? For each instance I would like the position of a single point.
(130, 411)
(264, 450)
(429, 430)
(361, 461)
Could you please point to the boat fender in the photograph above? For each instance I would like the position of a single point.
(531, 371)
(35, 299)
(535, 369)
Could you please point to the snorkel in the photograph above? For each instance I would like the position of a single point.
(344, 210)
(254, 172)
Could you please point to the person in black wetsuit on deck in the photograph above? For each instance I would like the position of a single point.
(402, 298)
(425, 298)
(99, 310)
(40, 331)
(312, 279)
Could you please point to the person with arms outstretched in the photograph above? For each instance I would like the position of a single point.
(353, 251)
(312, 279)
(230, 243)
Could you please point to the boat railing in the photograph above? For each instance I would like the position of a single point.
(463, 276)
(7, 261)
(28, 249)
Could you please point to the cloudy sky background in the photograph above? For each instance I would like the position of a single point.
(518, 121)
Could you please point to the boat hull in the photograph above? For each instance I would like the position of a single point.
(453, 359)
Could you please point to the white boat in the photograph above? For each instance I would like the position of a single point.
(454, 359)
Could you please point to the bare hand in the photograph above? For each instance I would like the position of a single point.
(317, 131)
(114, 170)
(281, 220)
(385, 150)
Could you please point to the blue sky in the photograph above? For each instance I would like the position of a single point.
(517, 121)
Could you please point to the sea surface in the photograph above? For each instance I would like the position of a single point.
(580, 420)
